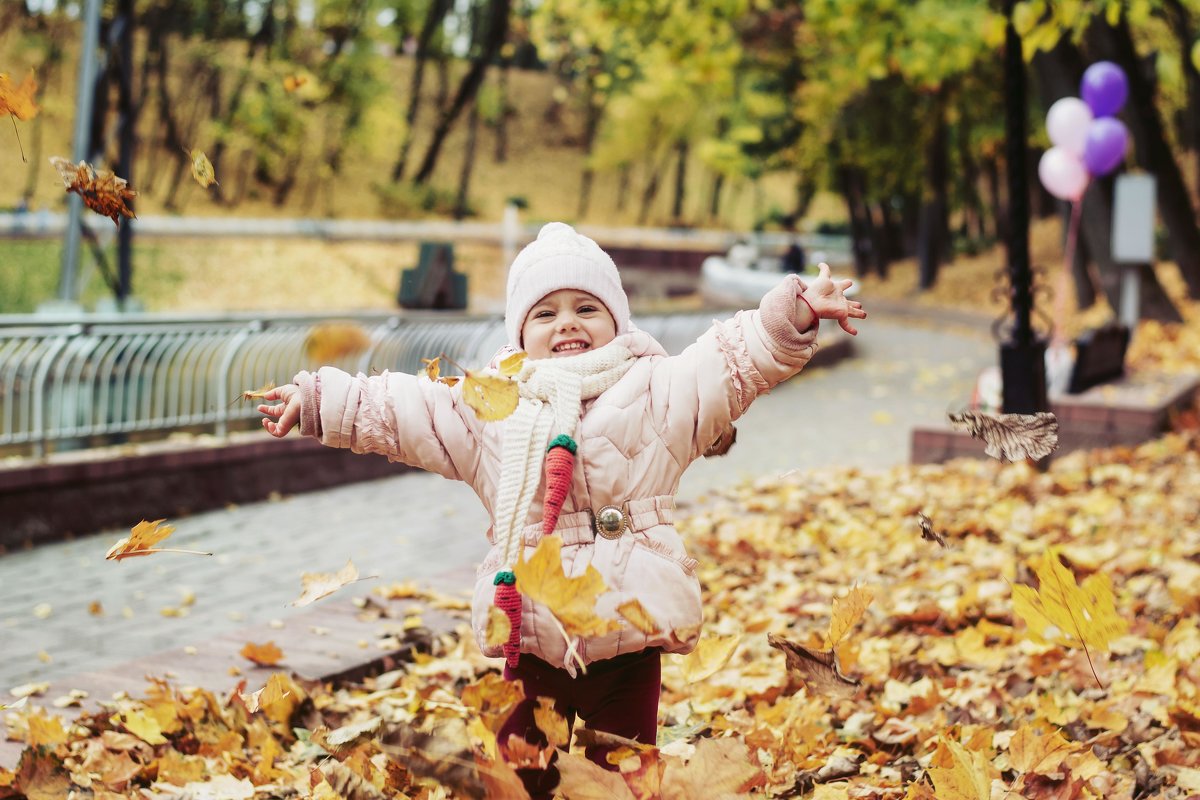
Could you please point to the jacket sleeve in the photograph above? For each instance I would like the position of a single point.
(714, 381)
(407, 418)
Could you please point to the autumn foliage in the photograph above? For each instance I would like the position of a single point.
(966, 677)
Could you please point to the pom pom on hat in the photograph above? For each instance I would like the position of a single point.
(560, 258)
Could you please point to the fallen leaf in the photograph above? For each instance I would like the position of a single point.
(960, 774)
(718, 768)
(1011, 437)
(264, 655)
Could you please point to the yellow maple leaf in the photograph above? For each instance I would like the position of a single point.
(45, 730)
(847, 611)
(718, 768)
(1032, 751)
(141, 540)
(316, 585)
(571, 600)
(18, 100)
(202, 168)
(493, 397)
(433, 367)
(1066, 613)
(960, 774)
(265, 655)
(551, 723)
(271, 693)
(638, 616)
(711, 655)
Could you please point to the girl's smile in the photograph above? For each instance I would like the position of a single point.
(565, 323)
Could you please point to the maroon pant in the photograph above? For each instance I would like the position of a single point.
(617, 695)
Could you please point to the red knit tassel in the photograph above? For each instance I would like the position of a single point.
(508, 600)
(560, 466)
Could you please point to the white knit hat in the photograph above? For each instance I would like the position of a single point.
(560, 258)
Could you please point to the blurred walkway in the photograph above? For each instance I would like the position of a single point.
(857, 412)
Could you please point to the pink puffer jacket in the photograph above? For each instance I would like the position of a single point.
(635, 441)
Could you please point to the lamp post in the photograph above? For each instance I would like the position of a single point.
(1022, 353)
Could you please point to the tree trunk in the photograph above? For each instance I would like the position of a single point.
(714, 198)
(501, 153)
(623, 177)
(1189, 132)
(932, 226)
(590, 129)
(650, 188)
(497, 31)
(1153, 151)
(859, 241)
(681, 157)
(461, 204)
(433, 18)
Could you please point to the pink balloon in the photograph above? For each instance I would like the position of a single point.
(1067, 124)
(1063, 174)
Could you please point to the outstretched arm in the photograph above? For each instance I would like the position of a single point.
(825, 300)
(286, 414)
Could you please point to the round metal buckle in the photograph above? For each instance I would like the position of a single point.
(611, 522)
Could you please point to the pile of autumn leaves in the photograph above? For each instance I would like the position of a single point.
(955, 697)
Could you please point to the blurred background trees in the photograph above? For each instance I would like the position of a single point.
(885, 114)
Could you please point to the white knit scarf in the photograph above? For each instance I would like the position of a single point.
(552, 395)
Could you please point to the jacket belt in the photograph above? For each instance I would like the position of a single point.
(578, 526)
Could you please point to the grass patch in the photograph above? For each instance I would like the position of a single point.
(28, 274)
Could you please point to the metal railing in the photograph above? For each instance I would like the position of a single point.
(70, 382)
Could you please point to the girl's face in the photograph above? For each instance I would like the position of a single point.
(566, 323)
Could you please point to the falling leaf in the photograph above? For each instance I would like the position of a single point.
(847, 611)
(101, 190)
(499, 627)
(264, 655)
(18, 100)
(493, 397)
(330, 342)
(512, 365)
(551, 723)
(202, 168)
(1061, 611)
(927, 531)
(316, 585)
(293, 82)
(819, 669)
(638, 616)
(960, 774)
(5, 706)
(581, 779)
(1011, 437)
(711, 655)
(433, 367)
(141, 541)
(571, 600)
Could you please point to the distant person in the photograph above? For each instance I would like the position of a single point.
(606, 424)
(794, 259)
(743, 255)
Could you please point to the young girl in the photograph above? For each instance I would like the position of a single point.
(621, 421)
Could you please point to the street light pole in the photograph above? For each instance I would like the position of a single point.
(1022, 354)
(68, 288)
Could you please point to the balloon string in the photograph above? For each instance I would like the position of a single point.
(1058, 338)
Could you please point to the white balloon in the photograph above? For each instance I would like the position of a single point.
(1063, 174)
(1067, 124)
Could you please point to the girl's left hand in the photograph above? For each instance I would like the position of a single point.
(826, 299)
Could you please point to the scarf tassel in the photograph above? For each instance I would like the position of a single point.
(560, 465)
(508, 600)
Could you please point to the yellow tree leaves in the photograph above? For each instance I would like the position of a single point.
(492, 396)
(102, 191)
(847, 611)
(572, 600)
(1066, 613)
(322, 584)
(202, 168)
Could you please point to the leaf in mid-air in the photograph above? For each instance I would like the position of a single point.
(202, 168)
(847, 611)
(334, 341)
(18, 100)
(102, 191)
(1011, 437)
(493, 397)
(927, 531)
(819, 669)
(264, 655)
(1069, 614)
(571, 600)
(322, 584)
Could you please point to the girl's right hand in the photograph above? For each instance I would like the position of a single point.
(287, 412)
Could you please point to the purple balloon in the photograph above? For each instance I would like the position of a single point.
(1104, 88)
(1104, 149)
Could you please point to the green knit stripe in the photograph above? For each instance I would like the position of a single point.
(504, 576)
(562, 440)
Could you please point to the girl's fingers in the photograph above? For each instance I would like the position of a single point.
(274, 411)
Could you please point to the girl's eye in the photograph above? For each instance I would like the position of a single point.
(586, 309)
(543, 314)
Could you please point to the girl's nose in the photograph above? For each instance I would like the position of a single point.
(567, 322)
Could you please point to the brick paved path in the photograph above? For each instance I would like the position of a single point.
(856, 412)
